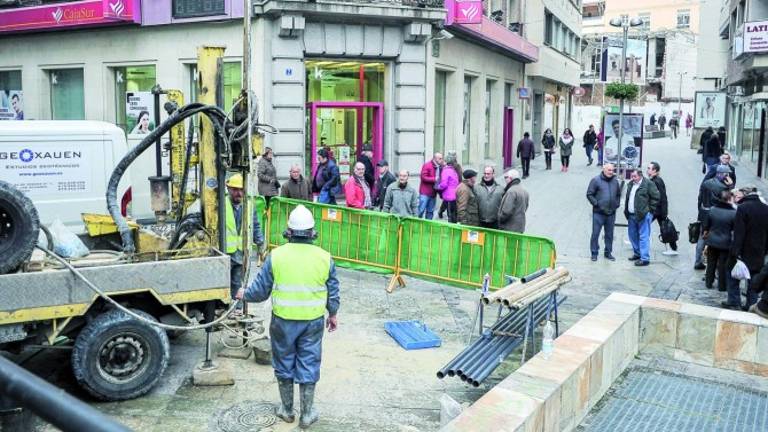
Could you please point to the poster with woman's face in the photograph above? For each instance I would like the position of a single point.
(709, 110)
(139, 110)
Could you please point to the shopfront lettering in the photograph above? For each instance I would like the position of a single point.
(757, 28)
(78, 14)
(27, 155)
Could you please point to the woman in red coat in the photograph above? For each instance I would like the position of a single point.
(356, 190)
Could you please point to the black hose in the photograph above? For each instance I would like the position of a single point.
(218, 118)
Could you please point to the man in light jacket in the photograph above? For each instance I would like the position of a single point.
(604, 193)
(489, 194)
(401, 198)
(514, 204)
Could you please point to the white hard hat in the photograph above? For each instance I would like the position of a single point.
(301, 219)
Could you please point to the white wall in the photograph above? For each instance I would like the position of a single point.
(680, 56)
(712, 51)
(552, 65)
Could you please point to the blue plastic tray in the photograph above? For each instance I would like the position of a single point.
(412, 335)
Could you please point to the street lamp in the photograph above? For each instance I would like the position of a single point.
(625, 23)
(680, 93)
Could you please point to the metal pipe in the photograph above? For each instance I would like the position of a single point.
(483, 373)
(50, 403)
(534, 275)
(490, 356)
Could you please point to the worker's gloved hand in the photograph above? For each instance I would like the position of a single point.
(331, 323)
(240, 294)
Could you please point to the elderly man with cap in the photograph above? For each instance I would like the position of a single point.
(514, 203)
(233, 212)
(467, 208)
(300, 297)
(383, 180)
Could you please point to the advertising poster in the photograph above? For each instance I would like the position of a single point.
(48, 168)
(139, 112)
(709, 110)
(631, 143)
(11, 105)
(636, 61)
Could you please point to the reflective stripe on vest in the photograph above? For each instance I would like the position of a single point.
(234, 241)
(300, 272)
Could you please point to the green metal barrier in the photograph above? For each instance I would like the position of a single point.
(433, 250)
(360, 239)
(462, 255)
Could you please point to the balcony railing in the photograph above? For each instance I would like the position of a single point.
(432, 4)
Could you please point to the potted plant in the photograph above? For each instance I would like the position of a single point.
(621, 91)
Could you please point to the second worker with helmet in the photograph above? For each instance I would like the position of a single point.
(301, 279)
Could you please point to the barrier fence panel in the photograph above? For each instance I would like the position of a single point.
(355, 238)
(462, 255)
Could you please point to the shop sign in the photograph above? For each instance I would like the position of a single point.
(197, 8)
(579, 91)
(68, 15)
(467, 12)
(523, 93)
(756, 36)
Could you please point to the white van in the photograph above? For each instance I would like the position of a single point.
(64, 166)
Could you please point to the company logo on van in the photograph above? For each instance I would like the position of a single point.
(28, 155)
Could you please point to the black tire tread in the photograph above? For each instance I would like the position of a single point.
(24, 242)
(92, 331)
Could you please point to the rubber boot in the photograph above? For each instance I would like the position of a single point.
(308, 413)
(285, 410)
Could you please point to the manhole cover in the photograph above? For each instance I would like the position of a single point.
(246, 416)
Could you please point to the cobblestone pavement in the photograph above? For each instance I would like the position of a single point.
(370, 383)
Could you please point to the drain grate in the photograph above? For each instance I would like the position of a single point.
(648, 400)
(246, 416)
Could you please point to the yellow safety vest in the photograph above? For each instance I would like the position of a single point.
(300, 271)
(234, 239)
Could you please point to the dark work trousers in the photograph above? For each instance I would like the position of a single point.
(717, 260)
(565, 161)
(526, 166)
(452, 211)
(235, 279)
(606, 223)
(672, 245)
(548, 159)
(493, 225)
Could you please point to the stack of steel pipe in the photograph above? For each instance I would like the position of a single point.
(483, 356)
(530, 288)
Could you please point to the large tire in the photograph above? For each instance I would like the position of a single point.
(117, 357)
(19, 227)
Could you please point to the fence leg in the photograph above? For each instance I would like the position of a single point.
(397, 278)
(557, 319)
(528, 333)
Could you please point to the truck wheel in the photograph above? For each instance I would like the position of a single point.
(19, 227)
(117, 357)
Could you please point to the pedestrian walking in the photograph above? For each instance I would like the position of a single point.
(652, 120)
(590, 141)
(640, 204)
(662, 121)
(301, 279)
(489, 194)
(356, 190)
(662, 210)
(297, 187)
(712, 151)
(721, 137)
(750, 235)
(449, 182)
(566, 147)
(725, 159)
(708, 155)
(604, 193)
(548, 144)
(514, 204)
(718, 233)
(400, 198)
(599, 147)
(366, 158)
(688, 124)
(467, 208)
(268, 185)
(427, 189)
(526, 153)
(233, 222)
(708, 193)
(383, 180)
(327, 181)
(673, 125)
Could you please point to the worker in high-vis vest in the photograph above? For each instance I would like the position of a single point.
(234, 217)
(301, 278)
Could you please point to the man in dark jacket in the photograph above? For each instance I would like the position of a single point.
(467, 209)
(705, 136)
(489, 194)
(604, 193)
(750, 235)
(366, 158)
(590, 139)
(712, 150)
(662, 211)
(718, 231)
(526, 153)
(327, 180)
(759, 284)
(383, 180)
(297, 187)
(641, 203)
(708, 193)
